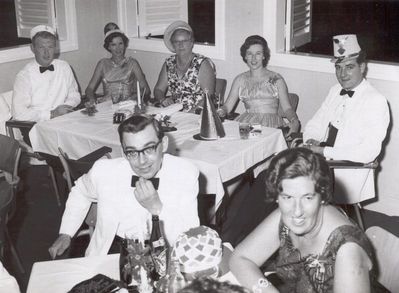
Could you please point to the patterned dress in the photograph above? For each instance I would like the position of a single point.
(261, 101)
(315, 273)
(119, 80)
(185, 90)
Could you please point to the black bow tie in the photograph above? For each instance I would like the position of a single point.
(154, 181)
(44, 69)
(345, 92)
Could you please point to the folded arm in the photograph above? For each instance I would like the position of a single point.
(22, 99)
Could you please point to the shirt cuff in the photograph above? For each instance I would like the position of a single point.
(328, 152)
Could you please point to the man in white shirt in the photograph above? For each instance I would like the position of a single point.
(351, 124)
(46, 87)
(125, 205)
(7, 282)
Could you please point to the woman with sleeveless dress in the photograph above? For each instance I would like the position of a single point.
(319, 249)
(185, 76)
(118, 74)
(261, 90)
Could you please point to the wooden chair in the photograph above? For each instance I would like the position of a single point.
(386, 246)
(76, 168)
(5, 110)
(220, 90)
(344, 164)
(9, 160)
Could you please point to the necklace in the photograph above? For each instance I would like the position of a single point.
(116, 64)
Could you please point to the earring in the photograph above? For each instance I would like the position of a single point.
(276, 200)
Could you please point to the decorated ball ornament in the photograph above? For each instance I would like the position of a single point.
(198, 249)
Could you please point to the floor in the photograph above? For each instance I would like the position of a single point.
(35, 224)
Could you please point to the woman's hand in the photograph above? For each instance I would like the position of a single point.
(167, 102)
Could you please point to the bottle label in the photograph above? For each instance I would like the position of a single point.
(158, 243)
(160, 262)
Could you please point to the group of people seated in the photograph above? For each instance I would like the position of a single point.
(310, 244)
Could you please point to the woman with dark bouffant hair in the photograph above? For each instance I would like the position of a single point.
(261, 90)
(319, 249)
(119, 74)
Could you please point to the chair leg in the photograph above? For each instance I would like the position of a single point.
(358, 213)
(14, 253)
(52, 175)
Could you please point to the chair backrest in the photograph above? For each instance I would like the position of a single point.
(9, 155)
(386, 246)
(5, 110)
(7, 196)
(294, 100)
(220, 90)
(75, 168)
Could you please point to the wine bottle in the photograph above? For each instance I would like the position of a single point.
(158, 250)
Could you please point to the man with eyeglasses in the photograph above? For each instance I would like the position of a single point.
(129, 190)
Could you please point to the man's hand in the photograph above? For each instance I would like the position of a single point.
(60, 245)
(147, 196)
(315, 148)
(61, 110)
(312, 142)
(167, 102)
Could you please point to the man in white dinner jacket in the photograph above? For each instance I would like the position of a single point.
(351, 124)
(46, 87)
(124, 205)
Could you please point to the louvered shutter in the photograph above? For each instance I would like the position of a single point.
(31, 13)
(155, 15)
(299, 23)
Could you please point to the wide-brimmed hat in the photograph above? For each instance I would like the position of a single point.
(198, 249)
(42, 28)
(346, 47)
(177, 25)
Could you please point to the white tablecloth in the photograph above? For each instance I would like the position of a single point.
(59, 276)
(218, 161)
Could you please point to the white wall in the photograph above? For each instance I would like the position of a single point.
(243, 18)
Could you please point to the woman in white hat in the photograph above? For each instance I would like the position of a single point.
(119, 74)
(185, 76)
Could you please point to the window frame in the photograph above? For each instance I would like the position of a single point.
(216, 51)
(274, 31)
(69, 44)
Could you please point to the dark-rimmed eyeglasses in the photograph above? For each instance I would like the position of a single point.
(148, 151)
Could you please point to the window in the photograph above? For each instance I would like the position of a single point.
(376, 24)
(274, 12)
(144, 22)
(65, 22)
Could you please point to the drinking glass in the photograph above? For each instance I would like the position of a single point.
(245, 128)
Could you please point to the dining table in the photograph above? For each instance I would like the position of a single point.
(219, 160)
(62, 275)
